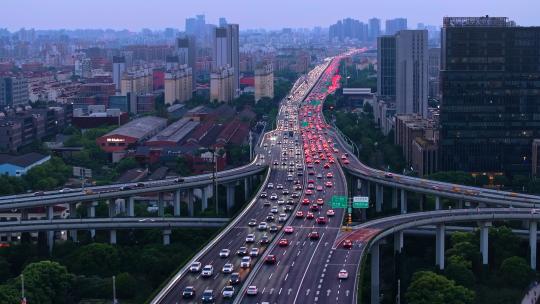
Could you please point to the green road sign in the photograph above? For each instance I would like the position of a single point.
(338, 201)
(304, 124)
(349, 210)
(315, 102)
(360, 202)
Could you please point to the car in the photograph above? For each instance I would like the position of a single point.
(254, 252)
(343, 274)
(288, 229)
(320, 201)
(245, 262)
(241, 251)
(283, 243)
(279, 186)
(328, 184)
(178, 180)
(208, 296)
(227, 268)
(305, 201)
(252, 223)
(313, 235)
(195, 267)
(270, 186)
(39, 193)
(346, 162)
(310, 216)
(63, 190)
(207, 271)
(285, 192)
(252, 290)
(263, 195)
(347, 244)
(327, 165)
(314, 207)
(188, 292)
(330, 212)
(329, 175)
(264, 240)
(274, 209)
(319, 176)
(319, 188)
(270, 259)
(224, 253)
(295, 195)
(234, 278)
(273, 228)
(266, 203)
(321, 220)
(282, 217)
(273, 196)
(275, 163)
(281, 202)
(288, 208)
(228, 291)
(270, 218)
(250, 238)
(299, 214)
(388, 175)
(262, 226)
(309, 192)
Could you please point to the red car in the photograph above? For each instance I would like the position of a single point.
(270, 259)
(347, 244)
(288, 229)
(314, 207)
(311, 173)
(299, 214)
(328, 184)
(310, 216)
(329, 175)
(320, 201)
(327, 166)
(321, 220)
(330, 212)
(309, 192)
(283, 243)
(346, 162)
(319, 188)
(305, 201)
(313, 235)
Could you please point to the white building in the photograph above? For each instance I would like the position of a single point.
(222, 84)
(264, 82)
(179, 85)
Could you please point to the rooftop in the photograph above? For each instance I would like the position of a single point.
(176, 131)
(140, 127)
(24, 160)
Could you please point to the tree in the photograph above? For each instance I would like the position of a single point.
(47, 282)
(9, 294)
(126, 164)
(126, 285)
(456, 177)
(95, 259)
(504, 242)
(430, 288)
(515, 272)
(5, 272)
(459, 270)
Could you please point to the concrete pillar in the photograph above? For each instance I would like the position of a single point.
(91, 214)
(50, 212)
(176, 198)
(191, 211)
(73, 214)
(113, 237)
(204, 199)
(437, 203)
(161, 204)
(130, 208)
(112, 207)
(166, 237)
(403, 201)
(375, 273)
(24, 214)
(50, 240)
(247, 188)
(230, 196)
(484, 236)
(378, 197)
(439, 246)
(533, 226)
(422, 201)
(368, 187)
(398, 241)
(460, 204)
(394, 198)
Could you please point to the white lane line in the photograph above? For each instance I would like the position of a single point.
(286, 276)
(280, 291)
(307, 268)
(270, 276)
(292, 264)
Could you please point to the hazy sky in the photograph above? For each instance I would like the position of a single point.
(272, 14)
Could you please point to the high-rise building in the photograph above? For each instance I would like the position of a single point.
(227, 52)
(222, 84)
(222, 22)
(386, 68)
(349, 28)
(412, 72)
(374, 28)
(137, 81)
(264, 82)
(434, 63)
(14, 92)
(119, 67)
(490, 80)
(187, 52)
(395, 25)
(178, 85)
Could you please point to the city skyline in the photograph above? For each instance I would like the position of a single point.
(63, 14)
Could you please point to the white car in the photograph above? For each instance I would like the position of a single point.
(279, 186)
(273, 196)
(270, 186)
(281, 202)
(252, 290)
(343, 274)
(254, 252)
(195, 267)
(250, 238)
(262, 226)
(227, 268)
(207, 271)
(274, 210)
(224, 253)
(228, 291)
(282, 217)
(246, 262)
(252, 223)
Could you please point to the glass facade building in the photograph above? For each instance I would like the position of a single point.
(490, 82)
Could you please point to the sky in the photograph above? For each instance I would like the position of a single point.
(250, 14)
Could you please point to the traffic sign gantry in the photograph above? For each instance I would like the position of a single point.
(360, 202)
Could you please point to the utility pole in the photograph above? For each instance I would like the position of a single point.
(114, 289)
(214, 181)
(250, 145)
(23, 298)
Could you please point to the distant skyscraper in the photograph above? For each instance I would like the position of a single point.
(119, 67)
(490, 114)
(386, 69)
(395, 25)
(227, 51)
(222, 22)
(412, 72)
(349, 28)
(186, 52)
(374, 28)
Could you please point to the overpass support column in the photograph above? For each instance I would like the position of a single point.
(130, 208)
(439, 246)
(247, 188)
(437, 202)
(403, 201)
(190, 202)
(73, 214)
(50, 212)
(484, 236)
(161, 203)
(112, 207)
(176, 198)
(398, 241)
(378, 197)
(368, 188)
(91, 213)
(113, 237)
(460, 204)
(375, 273)
(204, 199)
(230, 195)
(394, 198)
(50, 233)
(422, 201)
(533, 226)
(166, 237)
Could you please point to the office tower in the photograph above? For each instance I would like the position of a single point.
(412, 72)
(490, 80)
(227, 52)
(222, 22)
(264, 82)
(349, 29)
(119, 67)
(386, 70)
(395, 25)
(14, 92)
(222, 84)
(187, 52)
(434, 61)
(374, 28)
(178, 84)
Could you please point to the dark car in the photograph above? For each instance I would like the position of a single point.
(241, 251)
(234, 278)
(188, 292)
(208, 296)
(270, 259)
